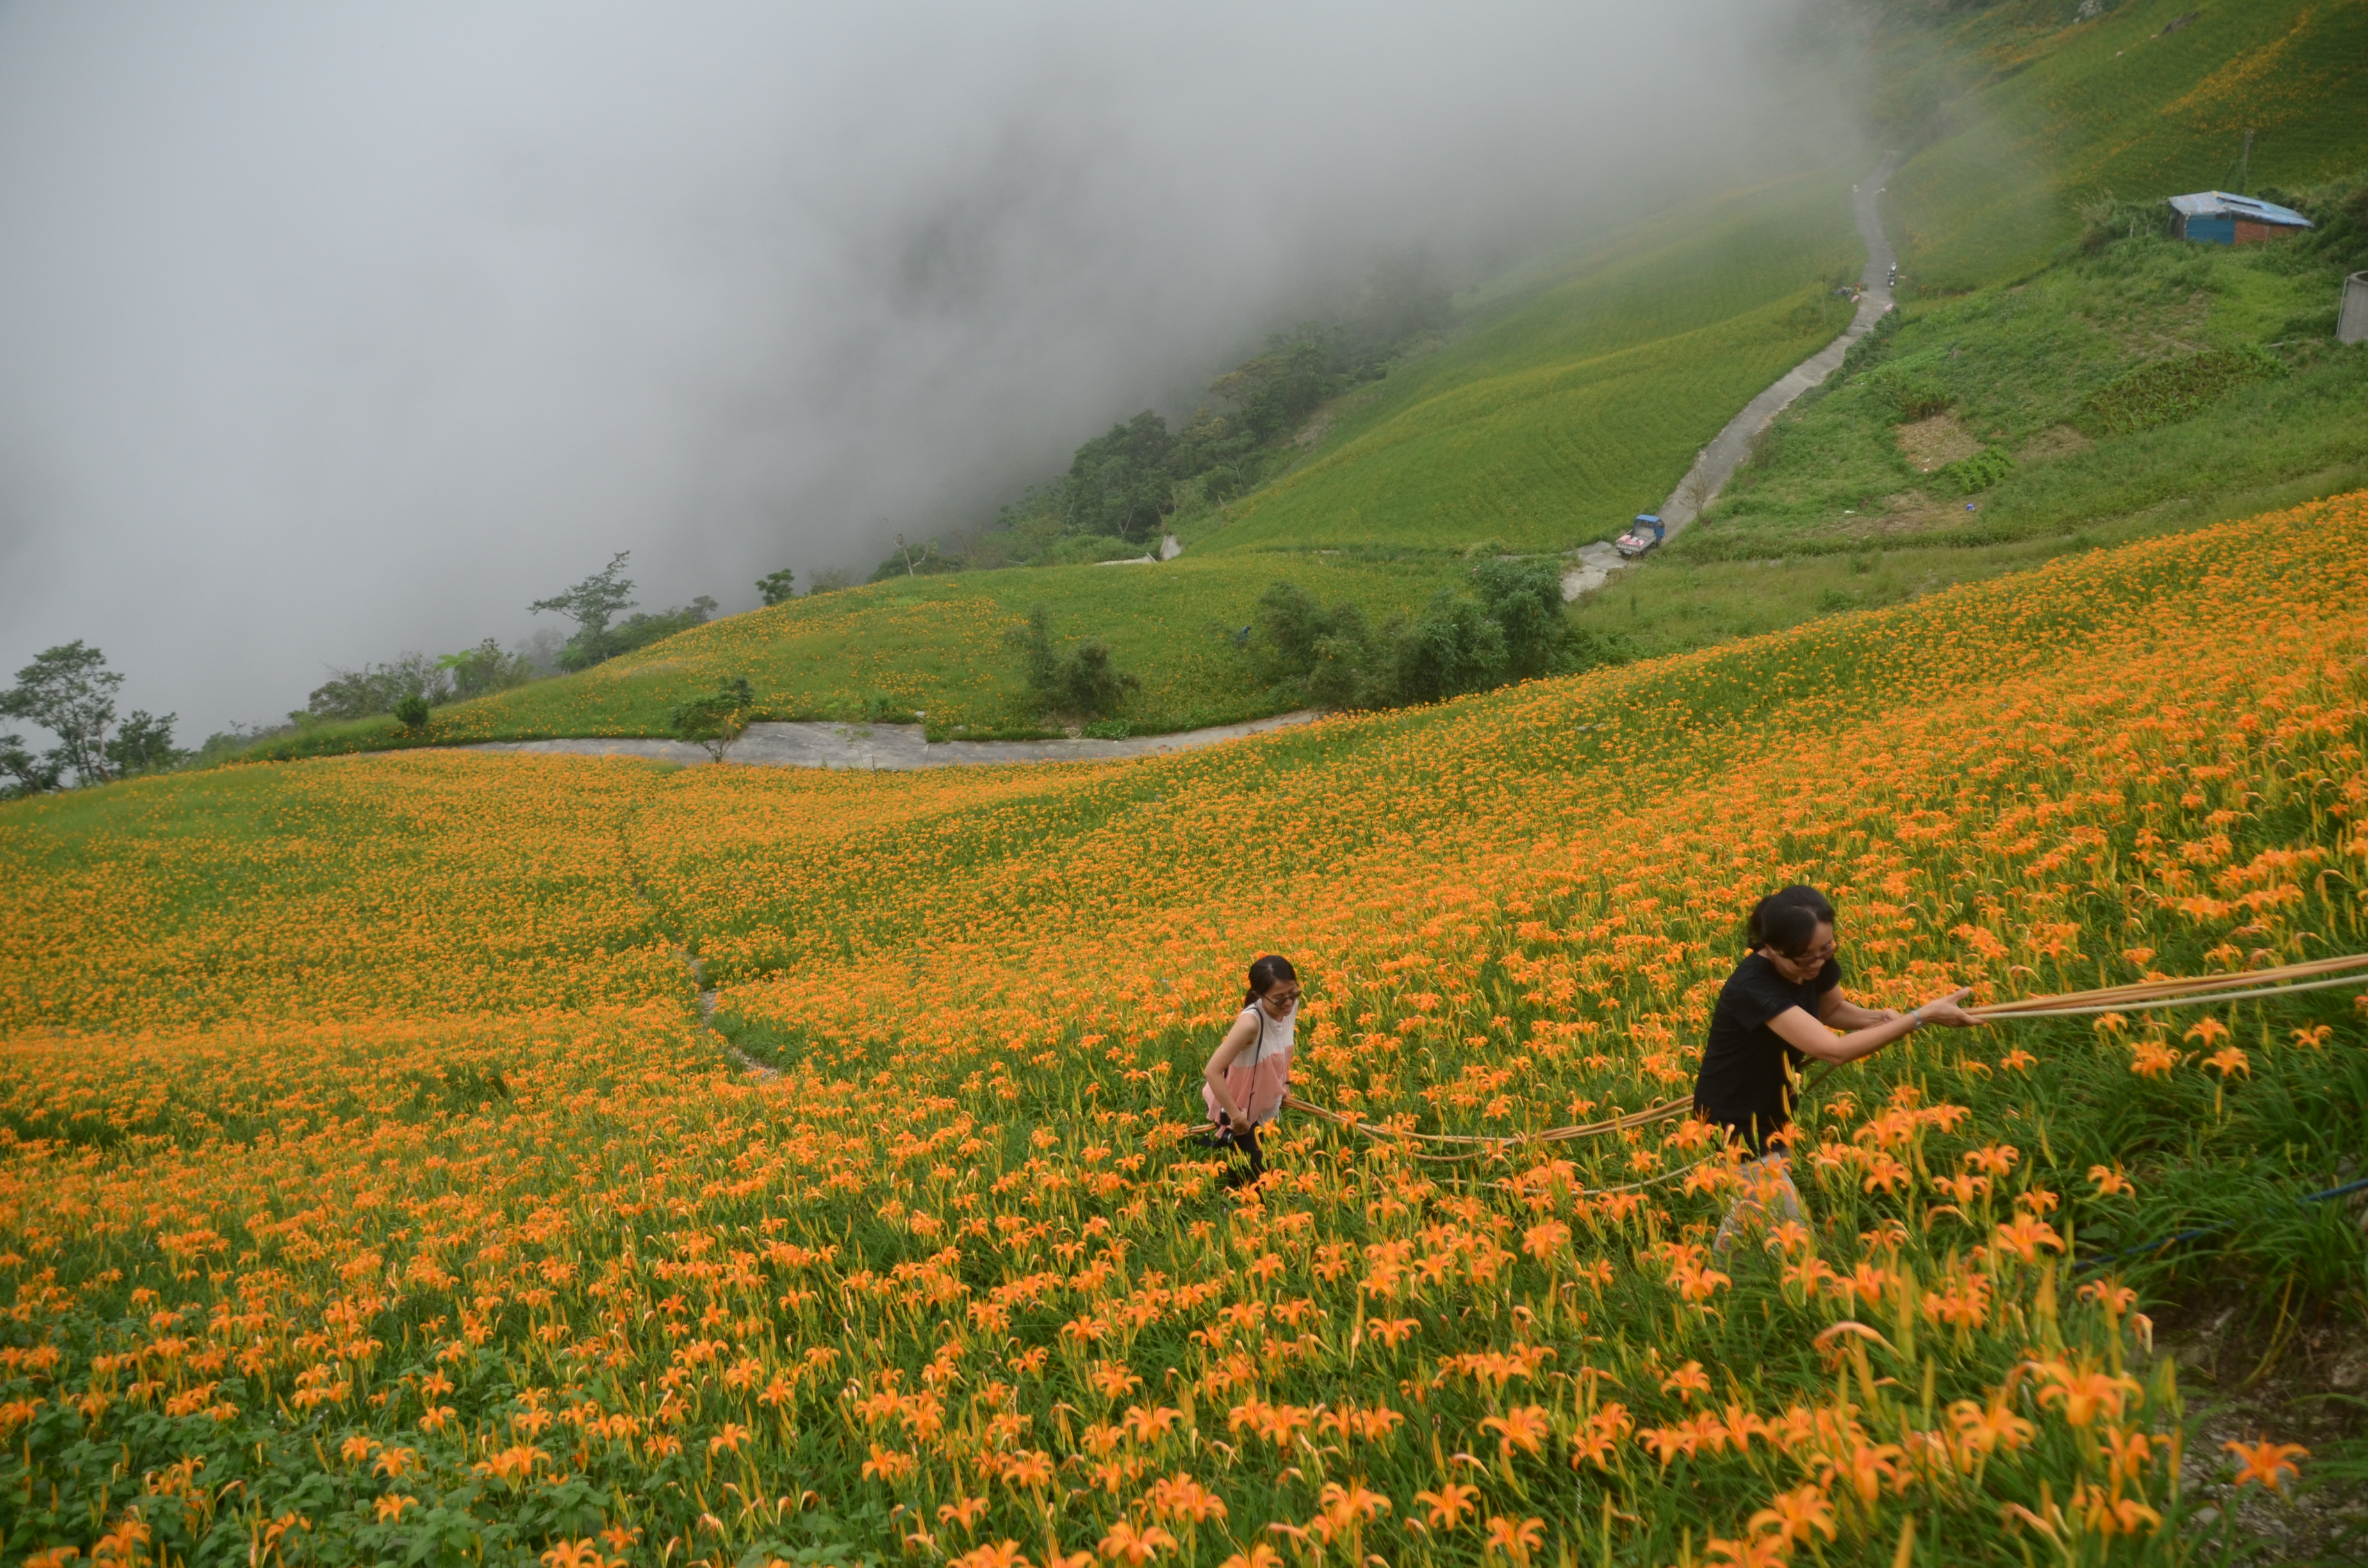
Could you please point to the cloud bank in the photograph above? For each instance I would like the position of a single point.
(326, 332)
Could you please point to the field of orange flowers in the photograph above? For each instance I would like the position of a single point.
(373, 1189)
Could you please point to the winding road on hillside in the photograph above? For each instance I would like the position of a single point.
(1728, 450)
(892, 747)
(898, 748)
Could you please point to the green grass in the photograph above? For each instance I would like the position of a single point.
(2019, 371)
(2051, 115)
(1584, 403)
(1834, 514)
(934, 645)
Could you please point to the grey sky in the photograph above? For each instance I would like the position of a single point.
(328, 331)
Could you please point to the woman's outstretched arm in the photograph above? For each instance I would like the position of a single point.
(1836, 1011)
(1812, 1038)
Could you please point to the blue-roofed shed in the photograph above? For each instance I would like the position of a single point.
(2215, 217)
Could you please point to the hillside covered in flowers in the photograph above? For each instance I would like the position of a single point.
(375, 1186)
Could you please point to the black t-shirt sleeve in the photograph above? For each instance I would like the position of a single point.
(1827, 977)
(1757, 995)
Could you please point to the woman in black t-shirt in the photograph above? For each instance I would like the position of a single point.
(1781, 1006)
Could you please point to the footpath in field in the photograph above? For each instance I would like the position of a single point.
(1727, 449)
(893, 747)
(1716, 463)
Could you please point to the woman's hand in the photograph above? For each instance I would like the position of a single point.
(1945, 1010)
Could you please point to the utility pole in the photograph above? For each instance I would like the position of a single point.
(2244, 165)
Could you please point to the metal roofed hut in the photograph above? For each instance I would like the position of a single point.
(2215, 217)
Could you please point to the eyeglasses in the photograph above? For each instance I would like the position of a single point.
(1812, 961)
(1281, 997)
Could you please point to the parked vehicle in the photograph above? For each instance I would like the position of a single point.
(1643, 534)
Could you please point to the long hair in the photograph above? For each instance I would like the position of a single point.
(1787, 920)
(1265, 974)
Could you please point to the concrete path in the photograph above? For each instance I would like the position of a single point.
(1727, 449)
(892, 747)
(1595, 562)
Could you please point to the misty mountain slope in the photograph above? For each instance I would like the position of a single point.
(1566, 408)
(1556, 422)
(2141, 386)
(2028, 118)
(1579, 399)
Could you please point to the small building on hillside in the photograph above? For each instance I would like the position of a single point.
(2216, 218)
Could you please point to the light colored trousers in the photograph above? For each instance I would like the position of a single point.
(1766, 1186)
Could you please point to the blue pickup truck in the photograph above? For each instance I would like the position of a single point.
(1643, 534)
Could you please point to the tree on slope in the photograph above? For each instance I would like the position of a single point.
(69, 691)
(592, 603)
(1523, 595)
(144, 743)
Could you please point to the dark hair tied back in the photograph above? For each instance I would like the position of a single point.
(1265, 974)
(1787, 920)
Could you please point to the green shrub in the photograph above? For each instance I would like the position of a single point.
(1084, 680)
(1512, 629)
(1523, 595)
(411, 712)
(1305, 653)
(1454, 646)
(1911, 387)
(715, 720)
(1971, 475)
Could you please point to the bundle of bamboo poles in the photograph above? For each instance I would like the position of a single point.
(2195, 991)
(2191, 992)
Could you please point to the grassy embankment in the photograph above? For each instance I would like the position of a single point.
(370, 1189)
(1564, 410)
(2030, 118)
(1846, 505)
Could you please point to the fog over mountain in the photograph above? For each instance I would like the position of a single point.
(327, 332)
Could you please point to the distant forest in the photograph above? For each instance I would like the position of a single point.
(1125, 487)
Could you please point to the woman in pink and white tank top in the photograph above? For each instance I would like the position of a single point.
(1247, 1078)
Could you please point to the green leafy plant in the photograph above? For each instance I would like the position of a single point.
(712, 723)
(1978, 472)
(1910, 387)
(1084, 679)
(411, 711)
